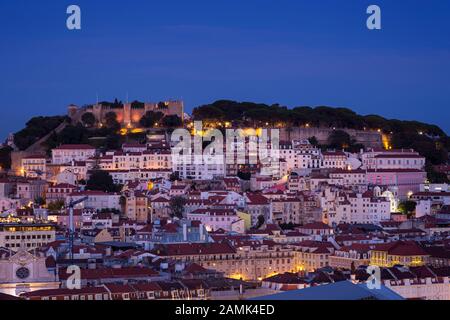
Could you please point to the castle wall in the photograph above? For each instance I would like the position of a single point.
(368, 138)
(128, 115)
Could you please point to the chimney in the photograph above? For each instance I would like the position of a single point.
(184, 232)
(164, 266)
(201, 232)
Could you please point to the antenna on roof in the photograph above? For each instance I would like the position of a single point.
(127, 97)
(96, 94)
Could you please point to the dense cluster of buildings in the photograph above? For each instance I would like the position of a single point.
(200, 231)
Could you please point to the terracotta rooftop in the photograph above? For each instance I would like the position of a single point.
(401, 248)
(74, 147)
(194, 249)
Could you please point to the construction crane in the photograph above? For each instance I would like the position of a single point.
(72, 204)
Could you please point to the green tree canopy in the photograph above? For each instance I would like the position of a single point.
(88, 119)
(339, 140)
(150, 118)
(113, 105)
(5, 157)
(35, 129)
(111, 121)
(55, 205)
(313, 140)
(435, 177)
(174, 176)
(407, 207)
(172, 121)
(176, 205)
(162, 105)
(260, 222)
(40, 201)
(137, 105)
(101, 181)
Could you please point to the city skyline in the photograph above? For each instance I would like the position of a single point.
(224, 152)
(295, 54)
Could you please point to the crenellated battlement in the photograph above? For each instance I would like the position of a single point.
(128, 113)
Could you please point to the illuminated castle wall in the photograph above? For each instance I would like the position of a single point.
(128, 114)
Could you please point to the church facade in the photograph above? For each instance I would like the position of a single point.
(25, 271)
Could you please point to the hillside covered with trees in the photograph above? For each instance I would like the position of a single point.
(35, 129)
(227, 110)
(429, 140)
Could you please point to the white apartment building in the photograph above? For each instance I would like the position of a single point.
(392, 159)
(230, 197)
(436, 198)
(434, 187)
(287, 210)
(342, 207)
(124, 176)
(298, 183)
(300, 154)
(214, 219)
(142, 160)
(29, 236)
(334, 160)
(97, 200)
(78, 168)
(31, 189)
(105, 161)
(350, 177)
(8, 204)
(430, 288)
(262, 182)
(134, 147)
(204, 170)
(65, 154)
(34, 166)
(398, 162)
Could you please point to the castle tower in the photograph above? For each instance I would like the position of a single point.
(176, 107)
(97, 111)
(127, 113)
(72, 110)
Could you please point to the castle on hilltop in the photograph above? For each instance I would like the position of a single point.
(128, 114)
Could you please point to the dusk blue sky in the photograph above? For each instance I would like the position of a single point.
(289, 52)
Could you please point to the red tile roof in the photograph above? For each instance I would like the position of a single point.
(401, 248)
(119, 288)
(36, 156)
(75, 147)
(256, 199)
(63, 185)
(403, 156)
(432, 194)
(194, 249)
(334, 153)
(316, 225)
(129, 272)
(214, 212)
(146, 287)
(287, 278)
(64, 292)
